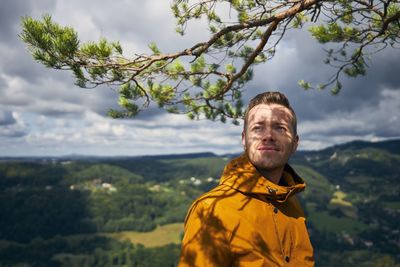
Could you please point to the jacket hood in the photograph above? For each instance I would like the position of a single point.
(241, 175)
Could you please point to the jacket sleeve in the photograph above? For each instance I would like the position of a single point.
(205, 242)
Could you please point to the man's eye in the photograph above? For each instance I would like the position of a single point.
(280, 128)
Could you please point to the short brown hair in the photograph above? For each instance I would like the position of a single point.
(271, 98)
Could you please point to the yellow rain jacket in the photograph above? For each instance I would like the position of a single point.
(248, 221)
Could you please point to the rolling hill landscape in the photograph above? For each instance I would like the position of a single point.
(129, 211)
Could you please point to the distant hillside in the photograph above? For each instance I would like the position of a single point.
(61, 211)
(391, 146)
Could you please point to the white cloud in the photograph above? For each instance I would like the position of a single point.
(94, 134)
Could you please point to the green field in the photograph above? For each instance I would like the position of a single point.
(393, 205)
(334, 224)
(339, 199)
(161, 236)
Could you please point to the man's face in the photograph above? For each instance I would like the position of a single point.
(269, 138)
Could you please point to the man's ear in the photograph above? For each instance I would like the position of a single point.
(295, 143)
(244, 140)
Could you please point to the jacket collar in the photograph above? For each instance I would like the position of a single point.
(241, 175)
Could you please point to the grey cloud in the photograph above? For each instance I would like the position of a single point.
(136, 25)
(356, 92)
(10, 127)
(16, 61)
(100, 100)
(301, 57)
(11, 132)
(150, 113)
(58, 112)
(10, 13)
(381, 121)
(3, 84)
(6, 118)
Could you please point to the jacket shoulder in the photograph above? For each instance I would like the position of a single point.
(209, 200)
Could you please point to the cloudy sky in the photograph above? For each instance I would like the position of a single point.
(42, 112)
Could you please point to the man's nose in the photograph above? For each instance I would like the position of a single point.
(268, 134)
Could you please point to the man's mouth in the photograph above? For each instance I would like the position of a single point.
(268, 148)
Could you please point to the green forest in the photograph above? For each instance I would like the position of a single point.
(76, 211)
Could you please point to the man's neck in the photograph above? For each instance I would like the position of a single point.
(272, 175)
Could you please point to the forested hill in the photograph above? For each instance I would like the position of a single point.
(64, 211)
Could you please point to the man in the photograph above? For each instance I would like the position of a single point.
(252, 218)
